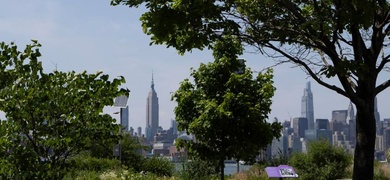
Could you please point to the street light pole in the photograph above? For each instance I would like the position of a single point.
(120, 132)
(121, 102)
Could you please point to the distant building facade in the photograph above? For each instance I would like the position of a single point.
(307, 109)
(152, 118)
(340, 116)
(300, 124)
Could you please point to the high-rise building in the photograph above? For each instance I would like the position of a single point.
(386, 138)
(151, 113)
(307, 109)
(377, 116)
(300, 124)
(352, 131)
(322, 124)
(174, 126)
(350, 113)
(124, 113)
(131, 131)
(139, 131)
(340, 116)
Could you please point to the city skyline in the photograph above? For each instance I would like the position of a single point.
(92, 35)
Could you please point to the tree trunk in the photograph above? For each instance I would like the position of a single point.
(222, 166)
(363, 168)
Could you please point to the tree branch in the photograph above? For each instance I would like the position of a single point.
(384, 61)
(308, 69)
(382, 87)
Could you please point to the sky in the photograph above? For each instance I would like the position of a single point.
(91, 35)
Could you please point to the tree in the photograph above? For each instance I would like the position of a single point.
(322, 161)
(132, 152)
(341, 39)
(225, 108)
(50, 116)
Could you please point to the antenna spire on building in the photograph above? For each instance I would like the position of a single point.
(152, 86)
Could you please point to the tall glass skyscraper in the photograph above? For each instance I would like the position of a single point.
(376, 112)
(151, 113)
(307, 109)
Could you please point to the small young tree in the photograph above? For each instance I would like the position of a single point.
(322, 161)
(226, 108)
(50, 116)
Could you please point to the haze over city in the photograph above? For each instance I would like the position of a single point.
(92, 35)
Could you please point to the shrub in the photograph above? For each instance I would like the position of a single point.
(381, 171)
(88, 163)
(256, 172)
(157, 165)
(322, 162)
(198, 169)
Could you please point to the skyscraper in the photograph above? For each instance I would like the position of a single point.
(300, 124)
(322, 124)
(340, 116)
(377, 116)
(151, 113)
(351, 113)
(139, 131)
(307, 109)
(351, 118)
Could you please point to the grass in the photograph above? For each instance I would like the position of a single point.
(257, 172)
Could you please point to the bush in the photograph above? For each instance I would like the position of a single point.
(198, 169)
(381, 171)
(256, 172)
(157, 165)
(84, 162)
(322, 162)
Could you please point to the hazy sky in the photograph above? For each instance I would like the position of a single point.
(92, 35)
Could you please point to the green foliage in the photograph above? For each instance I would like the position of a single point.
(84, 162)
(323, 161)
(158, 166)
(82, 175)
(50, 116)
(198, 169)
(132, 153)
(133, 159)
(226, 108)
(345, 40)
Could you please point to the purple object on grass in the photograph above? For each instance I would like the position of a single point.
(281, 172)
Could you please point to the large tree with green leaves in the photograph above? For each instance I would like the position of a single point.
(226, 108)
(50, 116)
(345, 40)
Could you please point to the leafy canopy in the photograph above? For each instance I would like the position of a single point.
(50, 116)
(326, 38)
(225, 107)
(347, 40)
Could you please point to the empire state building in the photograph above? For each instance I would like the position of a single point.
(151, 113)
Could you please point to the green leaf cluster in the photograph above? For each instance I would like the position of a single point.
(51, 116)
